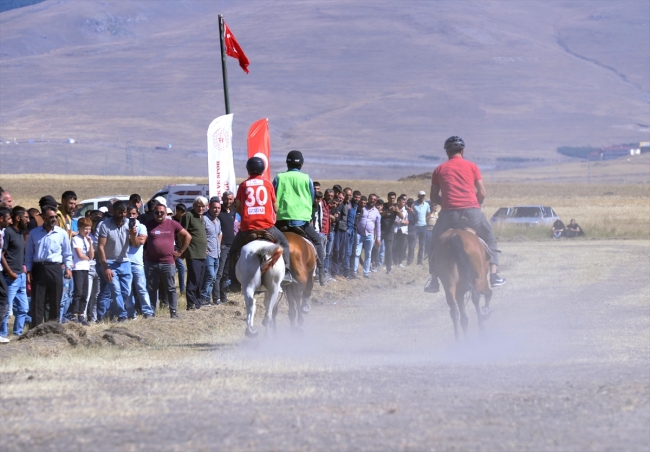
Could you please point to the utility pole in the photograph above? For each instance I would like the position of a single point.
(129, 158)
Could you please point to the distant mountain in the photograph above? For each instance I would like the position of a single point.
(363, 88)
(6, 5)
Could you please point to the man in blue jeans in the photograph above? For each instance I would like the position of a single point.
(114, 238)
(139, 285)
(66, 210)
(350, 268)
(213, 235)
(13, 272)
(422, 212)
(368, 233)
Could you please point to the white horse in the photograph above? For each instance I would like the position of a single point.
(260, 264)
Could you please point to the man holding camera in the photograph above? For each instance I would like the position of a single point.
(115, 235)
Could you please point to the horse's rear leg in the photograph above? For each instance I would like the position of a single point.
(460, 301)
(476, 299)
(291, 299)
(306, 294)
(268, 308)
(488, 297)
(453, 311)
(251, 331)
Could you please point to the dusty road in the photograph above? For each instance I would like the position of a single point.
(565, 366)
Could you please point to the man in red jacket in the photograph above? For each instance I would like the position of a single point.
(457, 186)
(256, 203)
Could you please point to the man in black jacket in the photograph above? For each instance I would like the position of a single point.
(227, 219)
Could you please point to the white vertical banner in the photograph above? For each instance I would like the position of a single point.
(221, 168)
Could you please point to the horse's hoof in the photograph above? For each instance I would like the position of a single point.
(251, 332)
(306, 308)
(486, 313)
(265, 321)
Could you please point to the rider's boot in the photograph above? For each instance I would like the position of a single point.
(433, 286)
(288, 279)
(496, 280)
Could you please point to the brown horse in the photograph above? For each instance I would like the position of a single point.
(303, 263)
(462, 264)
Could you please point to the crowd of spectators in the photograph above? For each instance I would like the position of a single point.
(121, 263)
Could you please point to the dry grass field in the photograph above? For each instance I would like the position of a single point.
(603, 210)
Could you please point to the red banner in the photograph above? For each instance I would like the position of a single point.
(259, 144)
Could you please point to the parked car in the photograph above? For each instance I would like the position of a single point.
(526, 215)
(182, 193)
(95, 203)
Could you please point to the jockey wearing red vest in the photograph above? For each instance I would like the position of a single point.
(457, 186)
(256, 204)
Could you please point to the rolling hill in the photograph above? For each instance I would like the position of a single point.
(365, 89)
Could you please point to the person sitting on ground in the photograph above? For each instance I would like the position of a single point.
(256, 203)
(558, 229)
(573, 230)
(457, 185)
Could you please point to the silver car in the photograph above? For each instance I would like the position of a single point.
(526, 215)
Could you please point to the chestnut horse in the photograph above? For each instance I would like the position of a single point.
(303, 263)
(462, 264)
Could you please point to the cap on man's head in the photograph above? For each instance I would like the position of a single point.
(48, 201)
(215, 199)
(422, 193)
(295, 159)
(103, 209)
(161, 200)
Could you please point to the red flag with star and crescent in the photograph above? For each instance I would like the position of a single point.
(233, 48)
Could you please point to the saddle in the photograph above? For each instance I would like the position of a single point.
(295, 230)
(299, 231)
(259, 234)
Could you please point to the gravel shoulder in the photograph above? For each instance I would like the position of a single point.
(565, 365)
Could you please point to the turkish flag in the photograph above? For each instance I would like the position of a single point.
(233, 48)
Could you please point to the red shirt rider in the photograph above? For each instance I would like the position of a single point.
(457, 179)
(257, 197)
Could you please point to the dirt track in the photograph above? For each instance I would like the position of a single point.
(565, 366)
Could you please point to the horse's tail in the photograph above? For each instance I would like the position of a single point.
(269, 256)
(466, 270)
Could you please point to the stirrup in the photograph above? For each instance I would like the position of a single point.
(288, 278)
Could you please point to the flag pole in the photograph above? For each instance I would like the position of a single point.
(224, 72)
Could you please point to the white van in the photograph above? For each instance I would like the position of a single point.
(182, 194)
(95, 203)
